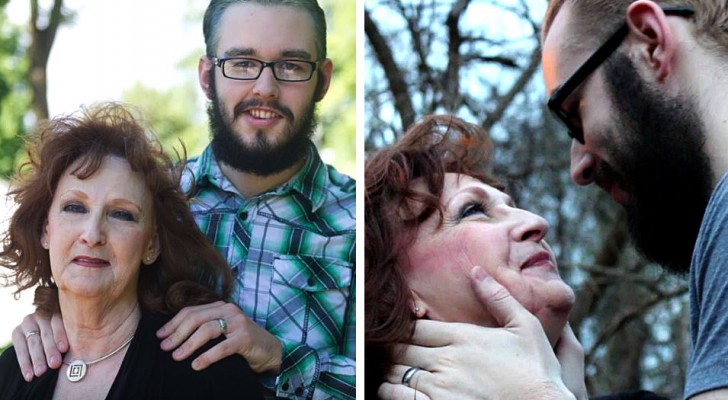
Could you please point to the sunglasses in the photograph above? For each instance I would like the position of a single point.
(571, 119)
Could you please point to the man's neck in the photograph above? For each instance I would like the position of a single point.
(250, 185)
(707, 81)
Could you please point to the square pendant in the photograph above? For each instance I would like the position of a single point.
(76, 371)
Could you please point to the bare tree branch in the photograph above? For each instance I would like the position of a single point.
(397, 84)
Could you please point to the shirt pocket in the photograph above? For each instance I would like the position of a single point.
(309, 299)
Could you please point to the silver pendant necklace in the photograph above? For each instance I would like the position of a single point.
(77, 369)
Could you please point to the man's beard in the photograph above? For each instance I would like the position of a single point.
(262, 158)
(662, 164)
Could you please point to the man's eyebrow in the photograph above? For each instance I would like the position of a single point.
(302, 54)
(235, 51)
(248, 51)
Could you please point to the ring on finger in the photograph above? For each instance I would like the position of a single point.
(409, 374)
(31, 333)
(223, 326)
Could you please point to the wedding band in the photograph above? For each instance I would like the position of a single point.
(31, 333)
(223, 325)
(407, 377)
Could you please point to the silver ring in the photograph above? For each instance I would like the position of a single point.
(30, 333)
(223, 326)
(407, 377)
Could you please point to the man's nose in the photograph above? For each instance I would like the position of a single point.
(583, 164)
(266, 86)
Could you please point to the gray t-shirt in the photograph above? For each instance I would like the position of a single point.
(708, 365)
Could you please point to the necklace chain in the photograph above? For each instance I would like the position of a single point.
(118, 349)
(77, 369)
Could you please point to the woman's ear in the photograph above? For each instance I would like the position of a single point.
(44, 236)
(152, 252)
(418, 307)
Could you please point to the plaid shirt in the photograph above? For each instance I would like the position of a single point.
(292, 252)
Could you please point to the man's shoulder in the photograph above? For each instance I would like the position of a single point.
(339, 183)
(337, 203)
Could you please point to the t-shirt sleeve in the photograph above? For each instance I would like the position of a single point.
(708, 365)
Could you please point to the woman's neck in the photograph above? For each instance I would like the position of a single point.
(94, 329)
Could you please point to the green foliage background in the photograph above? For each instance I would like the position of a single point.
(177, 113)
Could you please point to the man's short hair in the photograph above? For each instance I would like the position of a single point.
(598, 19)
(216, 8)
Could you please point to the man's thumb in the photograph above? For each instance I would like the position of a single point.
(497, 299)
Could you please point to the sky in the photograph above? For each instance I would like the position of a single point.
(109, 46)
(112, 44)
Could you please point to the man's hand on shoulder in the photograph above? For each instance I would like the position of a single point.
(39, 341)
(194, 326)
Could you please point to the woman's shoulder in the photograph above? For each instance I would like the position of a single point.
(228, 377)
(9, 368)
(12, 384)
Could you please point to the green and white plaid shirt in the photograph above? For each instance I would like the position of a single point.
(292, 252)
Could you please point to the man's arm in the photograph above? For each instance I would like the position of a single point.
(328, 374)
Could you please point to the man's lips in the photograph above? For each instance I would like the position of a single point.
(90, 262)
(259, 110)
(618, 195)
(260, 113)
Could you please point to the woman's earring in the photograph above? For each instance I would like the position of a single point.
(417, 309)
(45, 245)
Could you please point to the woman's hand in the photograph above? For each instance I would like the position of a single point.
(39, 342)
(194, 326)
(466, 361)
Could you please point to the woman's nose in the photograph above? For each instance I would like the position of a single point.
(531, 226)
(93, 232)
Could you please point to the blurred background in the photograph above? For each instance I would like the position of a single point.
(57, 55)
(479, 59)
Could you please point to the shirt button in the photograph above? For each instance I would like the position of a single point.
(243, 215)
(299, 391)
(311, 281)
(285, 386)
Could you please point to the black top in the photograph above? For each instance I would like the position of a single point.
(147, 372)
(637, 395)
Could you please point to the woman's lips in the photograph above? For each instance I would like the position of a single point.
(540, 259)
(90, 262)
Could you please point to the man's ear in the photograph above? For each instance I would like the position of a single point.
(652, 39)
(204, 67)
(327, 70)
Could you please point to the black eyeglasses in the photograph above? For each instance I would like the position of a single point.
(572, 119)
(249, 69)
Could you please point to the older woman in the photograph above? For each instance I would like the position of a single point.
(433, 212)
(103, 230)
